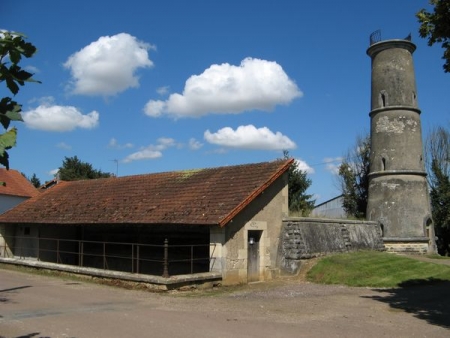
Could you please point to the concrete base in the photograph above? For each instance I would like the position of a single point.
(413, 246)
(150, 282)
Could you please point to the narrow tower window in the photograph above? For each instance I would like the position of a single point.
(383, 164)
(383, 98)
(414, 97)
(428, 224)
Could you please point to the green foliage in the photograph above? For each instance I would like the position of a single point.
(376, 269)
(436, 27)
(7, 141)
(299, 201)
(12, 48)
(354, 178)
(35, 181)
(440, 205)
(73, 169)
(437, 159)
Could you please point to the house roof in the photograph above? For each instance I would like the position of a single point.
(15, 184)
(210, 196)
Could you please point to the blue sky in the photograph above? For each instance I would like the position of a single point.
(148, 86)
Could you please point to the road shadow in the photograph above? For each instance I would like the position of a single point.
(16, 288)
(30, 335)
(428, 300)
(34, 334)
(5, 299)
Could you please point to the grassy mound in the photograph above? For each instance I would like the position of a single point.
(376, 269)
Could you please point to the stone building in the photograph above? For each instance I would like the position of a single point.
(398, 192)
(217, 223)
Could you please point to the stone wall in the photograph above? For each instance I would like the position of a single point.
(408, 246)
(303, 238)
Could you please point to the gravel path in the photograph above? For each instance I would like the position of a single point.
(45, 306)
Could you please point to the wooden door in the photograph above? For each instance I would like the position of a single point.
(253, 260)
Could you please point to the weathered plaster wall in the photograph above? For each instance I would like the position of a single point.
(396, 140)
(398, 191)
(6, 241)
(264, 214)
(393, 78)
(304, 238)
(400, 204)
(8, 202)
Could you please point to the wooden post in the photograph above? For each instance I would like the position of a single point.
(166, 259)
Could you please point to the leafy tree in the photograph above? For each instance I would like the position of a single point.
(12, 48)
(437, 149)
(35, 181)
(440, 204)
(353, 178)
(73, 169)
(299, 201)
(437, 160)
(436, 27)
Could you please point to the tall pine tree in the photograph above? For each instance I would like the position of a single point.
(300, 202)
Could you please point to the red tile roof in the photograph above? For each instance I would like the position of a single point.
(15, 184)
(205, 197)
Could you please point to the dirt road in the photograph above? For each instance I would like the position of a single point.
(43, 306)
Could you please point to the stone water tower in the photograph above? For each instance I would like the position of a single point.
(398, 191)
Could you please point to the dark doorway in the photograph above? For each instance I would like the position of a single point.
(254, 237)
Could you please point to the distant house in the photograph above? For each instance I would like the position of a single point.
(14, 189)
(330, 209)
(224, 220)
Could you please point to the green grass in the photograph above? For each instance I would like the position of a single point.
(376, 269)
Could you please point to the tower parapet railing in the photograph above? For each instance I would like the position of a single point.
(375, 37)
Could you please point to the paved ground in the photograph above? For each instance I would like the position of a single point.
(43, 306)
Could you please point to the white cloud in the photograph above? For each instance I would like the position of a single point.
(108, 65)
(113, 144)
(53, 172)
(332, 164)
(59, 118)
(163, 90)
(143, 154)
(32, 69)
(151, 151)
(155, 108)
(249, 137)
(63, 145)
(194, 144)
(165, 142)
(46, 100)
(303, 166)
(223, 89)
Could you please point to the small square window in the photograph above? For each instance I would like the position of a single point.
(26, 230)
